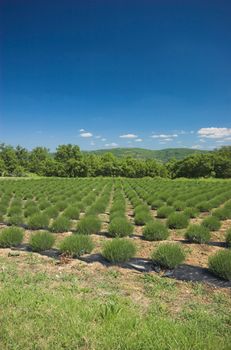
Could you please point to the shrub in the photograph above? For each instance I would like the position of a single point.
(198, 234)
(141, 208)
(177, 221)
(168, 255)
(72, 213)
(76, 245)
(14, 211)
(120, 227)
(142, 217)
(117, 214)
(228, 238)
(31, 210)
(38, 221)
(212, 223)
(119, 250)
(60, 205)
(164, 211)
(179, 205)
(222, 213)
(191, 212)
(220, 264)
(52, 212)
(118, 206)
(40, 241)
(170, 200)
(11, 237)
(156, 204)
(61, 224)
(44, 204)
(204, 206)
(89, 225)
(15, 220)
(155, 231)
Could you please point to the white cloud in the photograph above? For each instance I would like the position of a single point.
(97, 136)
(112, 144)
(168, 139)
(86, 134)
(81, 130)
(163, 136)
(214, 133)
(196, 147)
(103, 139)
(92, 143)
(128, 136)
(202, 140)
(139, 140)
(220, 141)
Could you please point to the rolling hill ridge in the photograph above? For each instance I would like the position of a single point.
(163, 155)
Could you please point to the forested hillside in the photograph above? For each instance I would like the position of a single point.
(163, 155)
(69, 161)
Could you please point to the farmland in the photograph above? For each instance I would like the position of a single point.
(87, 262)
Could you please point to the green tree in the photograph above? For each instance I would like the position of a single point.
(36, 158)
(67, 152)
(22, 155)
(8, 155)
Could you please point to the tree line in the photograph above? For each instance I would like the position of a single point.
(69, 161)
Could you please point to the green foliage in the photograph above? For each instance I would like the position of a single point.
(61, 224)
(198, 234)
(119, 250)
(228, 238)
(177, 221)
(220, 264)
(168, 255)
(16, 220)
(179, 205)
(69, 161)
(31, 210)
(139, 153)
(142, 217)
(72, 213)
(155, 231)
(76, 245)
(44, 204)
(15, 210)
(70, 310)
(204, 206)
(191, 212)
(222, 213)
(61, 205)
(120, 227)
(11, 237)
(40, 241)
(212, 223)
(38, 221)
(156, 203)
(51, 212)
(89, 225)
(164, 211)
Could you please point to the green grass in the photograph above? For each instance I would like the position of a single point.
(34, 315)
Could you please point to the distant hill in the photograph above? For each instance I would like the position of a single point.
(163, 155)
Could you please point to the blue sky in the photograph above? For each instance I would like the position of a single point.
(101, 74)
